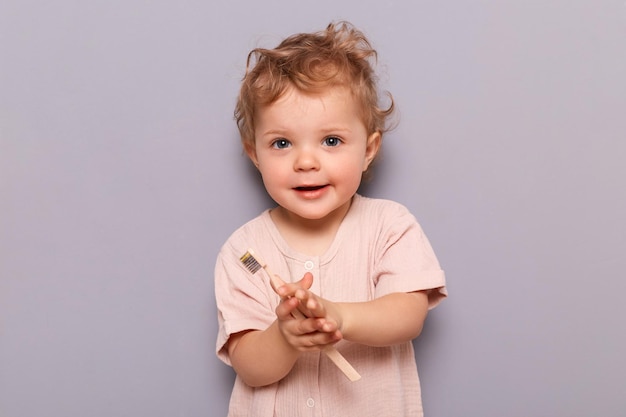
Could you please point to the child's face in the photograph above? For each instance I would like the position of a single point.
(312, 150)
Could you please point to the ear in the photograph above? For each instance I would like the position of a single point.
(250, 150)
(372, 147)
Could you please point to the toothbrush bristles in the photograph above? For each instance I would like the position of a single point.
(250, 262)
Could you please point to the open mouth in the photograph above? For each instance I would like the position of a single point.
(310, 188)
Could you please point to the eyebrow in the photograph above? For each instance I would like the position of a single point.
(274, 132)
(337, 130)
(324, 131)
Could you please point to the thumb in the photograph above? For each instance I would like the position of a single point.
(307, 281)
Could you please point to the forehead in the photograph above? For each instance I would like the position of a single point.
(335, 102)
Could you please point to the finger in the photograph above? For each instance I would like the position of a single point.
(289, 289)
(327, 326)
(285, 309)
(315, 325)
(307, 281)
(319, 340)
(311, 303)
(306, 326)
(312, 342)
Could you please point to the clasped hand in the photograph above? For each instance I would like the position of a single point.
(319, 324)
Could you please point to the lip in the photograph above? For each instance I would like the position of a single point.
(310, 192)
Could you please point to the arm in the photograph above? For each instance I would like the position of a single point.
(262, 357)
(388, 320)
(385, 321)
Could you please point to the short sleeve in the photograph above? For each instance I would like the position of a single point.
(243, 300)
(405, 260)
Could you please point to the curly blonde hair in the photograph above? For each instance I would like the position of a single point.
(340, 55)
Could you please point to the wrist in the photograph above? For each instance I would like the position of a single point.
(342, 315)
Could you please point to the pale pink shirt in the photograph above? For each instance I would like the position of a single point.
(379, 249)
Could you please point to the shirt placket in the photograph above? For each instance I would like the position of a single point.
(311, 399)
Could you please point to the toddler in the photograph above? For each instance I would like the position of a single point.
(360, 269)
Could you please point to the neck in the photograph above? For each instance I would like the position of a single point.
(309, 236)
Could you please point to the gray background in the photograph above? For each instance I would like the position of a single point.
(121, 175)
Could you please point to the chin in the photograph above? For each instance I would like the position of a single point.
(311, 216)
(319, 214)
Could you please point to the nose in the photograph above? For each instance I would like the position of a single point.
(306, 160)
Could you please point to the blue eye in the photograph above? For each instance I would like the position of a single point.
(280, 144)
(332, 141)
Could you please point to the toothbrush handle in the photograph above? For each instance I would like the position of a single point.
(342, 363)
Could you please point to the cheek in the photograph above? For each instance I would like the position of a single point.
(272, 174)
(349, 169)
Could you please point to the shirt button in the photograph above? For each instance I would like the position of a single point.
(309, 265)
(310, 403)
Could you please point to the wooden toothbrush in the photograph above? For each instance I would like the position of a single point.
(253, 263)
